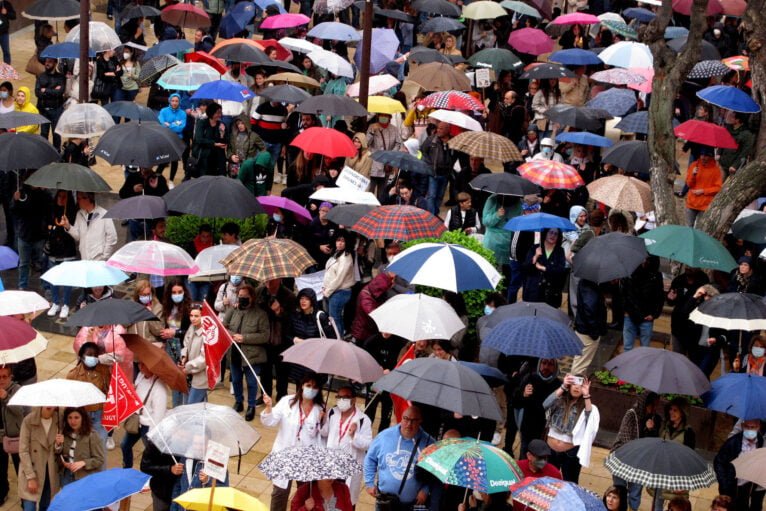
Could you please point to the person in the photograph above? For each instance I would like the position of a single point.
(438, 156)
(384, 348)
(279, 303)
(38, 479)
(154, 395)
(733, 159)
(244, 144)
(248, 325)
(7, 99)
(589, 323)
(747, 496)
(173, 117)
(643, 297)
(30, 207)
(257, 174)
(722, 503)
(463, 217)
(381, 136)
(340, 277)
(498, 240)
(176, 309)
(575, 90)
(165, 472)
(676, 429)
(389, 466)
(319, 234)
(322, 495)
(110, 343)
(96, 235)
(744, 278)
(193, 357)
(299, 418)
(527, 410)
(210, 143)
(752, 363)
(307, 322)
(108, 77)
(681, 297)
(23, 103)
(362, 160)
(270, 124)
(703, 177)
(78, 448)
(143, 293)
(228, 295)
(90, 369)
(127, 89)
(192, 466)
(372, 296)
(547, 151)
(615, 499)
(203, 41)
(11, 417)
(544, 270)
(203, 239)
(93, 294)
(7, 14)
(535, 463)
(528, 146)
(49, 89)
(573, 422)
(545, 98)
(61, 248)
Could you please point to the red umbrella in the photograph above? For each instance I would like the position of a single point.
(733, 7)
(282, 52)
(705, 133)
(551, 175)
(19, 341)
(284, 21)
(451, 100)
(185, 15)
(206, 58)
(325, 141)
(531, 41)
(403, 223)
(714, 7)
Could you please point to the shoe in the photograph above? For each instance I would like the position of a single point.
(496, 438)
(250, 414)
(110, 443)
(109, 17)
(259, 401)
(64, 312)
(238, 407)
(231, 389)
(53, 310)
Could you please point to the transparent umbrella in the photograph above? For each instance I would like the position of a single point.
(154, 258)
(84, 120)
(102, 37)
(188, 76)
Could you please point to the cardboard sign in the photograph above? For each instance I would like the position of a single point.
(216, 460)
(313, 281)
(483, 78)
(349, 178)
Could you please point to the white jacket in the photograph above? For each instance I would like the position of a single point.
(97, 238)
(584, 433)
(194, 351)
(155, 399)
(339, 274)
(338, 438)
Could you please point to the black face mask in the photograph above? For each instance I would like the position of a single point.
(244, 303)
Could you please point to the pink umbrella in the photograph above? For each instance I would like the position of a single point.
(284, 21)
(153, 258)
(531, 41)
(576, 18)
(271, 203)
(714, 7)
(647, 73)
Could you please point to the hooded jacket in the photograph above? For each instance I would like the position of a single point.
(533, 414)
(361, 162)
(305, 326)
(174, 119)
(29, 108)
(643, 292)
(257, 173)
(370, 298)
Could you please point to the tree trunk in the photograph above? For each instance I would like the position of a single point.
(749, 182)
(670, 71)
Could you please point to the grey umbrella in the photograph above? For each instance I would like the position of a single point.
(130, 110)
(421, 55)
(348, 214)
(630, 155)
(213, 196)
(25, 151)
(609, 257)
(709, 52)
(660, 371)
(140, 206)
(441, 24)
(285, 93)
(442, 7)
(68, 176)
(13, 120)
(330, 104)
(580, 117)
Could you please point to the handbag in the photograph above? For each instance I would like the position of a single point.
(34, 67)
(11, 444)
(132, 424)
(101, 90)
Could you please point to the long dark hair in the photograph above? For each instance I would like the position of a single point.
(167, 300)
(350, 238)
(85, 426)
(308, 377)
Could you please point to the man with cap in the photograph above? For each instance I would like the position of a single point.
(704, 180)
(536, 464)
(547, 151)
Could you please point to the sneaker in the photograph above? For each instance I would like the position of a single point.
(110, 443)
(277, 178)
(53, 310)
(496, 438)
(64, 312)
(171, 185)
(231, 389)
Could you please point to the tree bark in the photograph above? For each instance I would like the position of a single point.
(749, 182)
(670, 71)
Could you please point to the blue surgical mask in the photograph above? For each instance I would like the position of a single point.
(488, 310)
(177, 297)
(235, 280)
(547, 150)
(277, 217)
(310, 393)
(3, 95)
(758, 352)
(145, 299)
(750, 434)
(90, 361)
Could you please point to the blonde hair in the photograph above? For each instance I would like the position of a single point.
(139, 286)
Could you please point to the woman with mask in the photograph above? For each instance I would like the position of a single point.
(7, 103)
(127, 89)
(143, 293)
(299, 418)
(193, 357)
(108, 77)
(79, 449)
(176, 305)
(226, 297)
(90, 369)
(753, 362)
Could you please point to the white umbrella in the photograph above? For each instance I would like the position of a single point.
(456, 119)
(84, 274)
(627, 54)
(102, 37)
(58, 392)
(332, 62)
(19, 353)
(345, 196)
(417, 317)
(209, 263)
(612, 16)
(21, 302)
(154, 258)
(377, 84)
(299, 45)
(84, 120)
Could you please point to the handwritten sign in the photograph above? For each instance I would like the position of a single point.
(351, 179)
(483, 78)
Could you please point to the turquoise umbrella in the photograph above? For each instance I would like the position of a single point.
(689, 246)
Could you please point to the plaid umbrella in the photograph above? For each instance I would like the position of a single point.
(485, 144)
(618, 76)
(398, 223)
(551, 174)
(267, 259)
(708, 69)
(548, 494)
(615, 101)
(622, 192)
(7, 72)
(451, 100)
(309, 463)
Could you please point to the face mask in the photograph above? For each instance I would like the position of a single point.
(235, 280)
(758, 352)
(90, 361)
(488, 310)
(277, 217)
(343, 404)
(243, 303)
(146, 300)
(547, 150)
(539, 463)
(3, 95)
(309, 393)
(750, 434)
(177, 298)
(126, 56)
(383, 120)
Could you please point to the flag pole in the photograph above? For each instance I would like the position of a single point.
(257, 379)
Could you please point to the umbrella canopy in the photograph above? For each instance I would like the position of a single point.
(224, 499)
(451, 100)
(68, 176)
(84, 274)
(615, 101)
(139, 11)
(458, 119)
(18, 340)
(737, 63)
(267, 259)
(205, 58)
(485, 144)
(21, 302)
(377, 84)
(749, 466)
(272, 203)
(185, 16)
(130, 110)
(84, 120)
(709, 52)
(101, 37)
(64, 51)
(445, 266)
(59, 393)
(729, 97)
(152, 68)
(237, 19)
(640, 14)
(689, 246)
(629, 155)
(705, 133)
(442, 7)
(498, 59)
(575, 57)
(531, 41)
(99, 490)
(240, 50)
(504, 183)
(483, 10)
(304, 82)
(403, 161)
(338, 195)
(740, 395)
(330, 104)
(438, 76)
(8, 258)
(637, 122)
(310, 462)
(12, 120)
(348, 215)
(661, 371)
(139, 144)
(546, 71)
(154, 258)
(422, 55)
(520, 309)
(732, 311)
(622, 192)
(621, 28)
(53, 10)
(618, 76)
(325, 141)
(178, 431)
(284, 21)
(549, 494)
(111, 311)
(576, 18)
(213, 197)
(286, 93)
(583, 118)
(188, 76)
(708, 69)
(750, 228)
(384, 105)
(209, 263)
(332, 62)
(443, 384)
(551, 174)
(334, 357)
(223, 90)
(332, 30)
(399, 223)
(627, 54)
(583, 138)
(140, 206)
(538, 222)
(25, 151)
(168, 48)
(441, 24)
(520, 8)
(492, 375)
(609, 257)
(417, 316)
(158, 362)
(533, 336)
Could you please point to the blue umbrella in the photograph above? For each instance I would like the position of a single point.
(237, 19)
(169, 47)
(617, 102)
(384, 46)
(639, 13)
(676, 32)
(538, 222)
(637, 122)
(64, 51)
(8, 258)
(730, 98)
(492, 375)
(84, 274)
(334, 31)
(532, 336)
(223, 90)
(584, 138)
(99, 490)
(575, 57)
(265, 3)
(740, 395)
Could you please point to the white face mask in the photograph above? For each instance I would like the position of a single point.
(758, 352)
(126, 56)
(310, 393)
(343, 404)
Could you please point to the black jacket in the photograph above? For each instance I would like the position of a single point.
(136, 178)
(533, 421)
(158, 465)
(384, 351)
(54, 84)
(643, 292)
(31, 214)
(5, 19)
(724, 470)
(590, 319)
(544, 286)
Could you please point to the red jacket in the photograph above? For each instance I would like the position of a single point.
(370, 298)
(342, 497)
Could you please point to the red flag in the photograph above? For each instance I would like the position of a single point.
(401, 404)
(217, 342)
(122, 401)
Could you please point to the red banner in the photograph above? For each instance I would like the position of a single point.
(217, 342)
(122, 401)
(401, 404)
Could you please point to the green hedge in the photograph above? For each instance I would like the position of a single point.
(181, 230)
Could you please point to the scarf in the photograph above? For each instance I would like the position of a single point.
(755, 365)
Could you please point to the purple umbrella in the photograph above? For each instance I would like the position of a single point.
(8, 258)
(531, 41)
(271, 203)
(384, 46)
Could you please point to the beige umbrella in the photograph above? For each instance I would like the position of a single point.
(622, 192)
(485, 144)
(297, 79)
(437, 76)
(749, 466)
(483, 10)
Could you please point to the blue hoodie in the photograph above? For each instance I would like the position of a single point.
(388, 456)
(175, 118)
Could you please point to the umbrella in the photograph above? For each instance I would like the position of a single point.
(338, 195)
(438, 76)
(68, 176)
(749, 466)
(533, 336)
(629, 155)
(442, 7)
(546, 71)
(384, 105)
(472, 464)
(101, 37)
(272, 203)
(621, 28)
(175, 433)
(445, 266)
(168, 48)
(267, 259)
(330, 104)
(549, 494)
(140, 144)
(618, 76)
(485, 144)
(422, 55)
(7, 72)
(222, 499)
(332, 62)
(157, 361)
(661, 371)
(130, 110)
(334, 357)
(538, 222)
(504, 183)
(627, 54)
(403, 161)
(521, 8)
(531, 41)
(111, 311)
(737, 63)
(732, 311)
(579, 117)
(705, 133)
(442, 384)
(84, 120)
(416, 317)
(53, 10)
(492, 375)
(498, 59)
(576, 18)
(25, 151)
(399, 223)
(750, 228)
(64, 51)
(689, 246)
(154, 258)
(640, 14)
(208, 261)
(284, 21)
(458, 119)
(637, 122)
(730, 98)
(348, 215)
(332, 30)
(331, 6)
(187, 76)
(152, 68)
(310, 463)
(299, 45)
(21, 302)
(283, 53)
(615, 101)
(213, 196)
(575, 57)
(263, 4)
(521, 309)
(583, 138)
(377, 84)
(99, 490)
(709, 52)
(185, 16)
(274, 66)
(8, 258)
(551, 174)
(676, 32)
(139, 11)
(223, 90)
(240, 50)
(441, 24)
(237, 19)
(325, 141)
(59, 393)
(622, 192)
(451, 100)
(12, 120)
(713, 7)
(740, 395)
(18, 340)
(84, 274)
(285, 94)
(609, 257)
(483, 10)
(294, 78)
(708, 69)
(217, 63)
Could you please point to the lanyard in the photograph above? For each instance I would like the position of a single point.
(341, 430)
(301, 418)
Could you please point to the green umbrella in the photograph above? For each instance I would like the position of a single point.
(520, 8)
(68, 176)
(472, 464)
(621, 28)
(689, 246)
(498, 59)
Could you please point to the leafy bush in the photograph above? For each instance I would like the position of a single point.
(181, 230)
(607, 379)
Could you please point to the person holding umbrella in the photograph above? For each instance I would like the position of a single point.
(545, 270)
(497, 239)
(748, 496)
(61, 248)
(210, 143)
(154, 394)
(755, 360)
(675, 429)
(38, 477)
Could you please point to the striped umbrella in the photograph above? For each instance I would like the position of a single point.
(548, 494)
(485, 144)
(451, 100)
(267, 259)
(551, 174)
(398, 223)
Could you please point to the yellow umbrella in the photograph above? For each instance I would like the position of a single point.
(198, 499)
(384, 105)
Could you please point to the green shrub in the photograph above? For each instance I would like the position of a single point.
(181, 230)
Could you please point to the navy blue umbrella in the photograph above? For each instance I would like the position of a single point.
(517, 310)
(538, 222)
(639, 13)
(731, 98)
(617, 102)
(492, 375)
(583, 138)
(171, 46)
(575, 57)
(533, 337)
(740, 395)
(403, 161)
(99, 490)
(237, 19)
(638, 122)
(65, 51)
(676, 32)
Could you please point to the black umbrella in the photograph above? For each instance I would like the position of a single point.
(750, 228)
(442, 384)
(519, 309)
(168, 47)
(709, 52)
(213, 196)
(53, 10)
(285, 94)
(241, 52)
(442, 7)
(504, 184)
(422, 55)
(273, 66)
(139, 11)
(130, 110)
(12, 120)
(152, 68)
(441, 24)
(331, 104)
(140, 206)
(732, 311)
(403, 161)
(546, 71)
(393, 14)
(659, 370)
(705, 69)
(25, 151)
(111, 311)
(68, 176)
(348, 214)
(579, 117)
(140, 144)
(630, 155)
(609, 257)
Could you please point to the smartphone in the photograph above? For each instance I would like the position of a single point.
(577, 380)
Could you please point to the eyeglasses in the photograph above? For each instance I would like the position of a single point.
(411, 419)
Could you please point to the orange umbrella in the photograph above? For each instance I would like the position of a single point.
(158, 362)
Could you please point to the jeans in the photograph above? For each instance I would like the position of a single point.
(437, 185)
(237, 372)
(691, 216)
(66, 291)
(630, 331)
(274, 150)
(515, 280)
(95, 421)
(196, 396)
(634, 492)
(128, 441)
(5, 44)
(29, 252)
(337, 303)
(45, 498)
